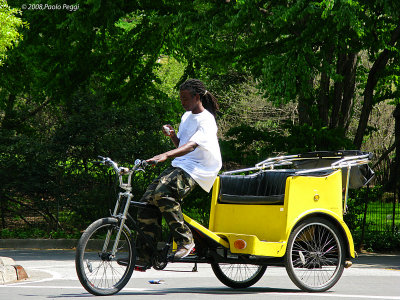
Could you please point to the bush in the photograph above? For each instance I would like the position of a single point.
(378, 241)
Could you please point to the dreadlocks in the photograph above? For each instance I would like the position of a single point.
(195, 86)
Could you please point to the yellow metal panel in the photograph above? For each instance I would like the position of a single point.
(307, 195)
(267, 222)
(207, 232)
(266, 228)
(308, 192)
(349, 239)
(254, 246)
(214, 200)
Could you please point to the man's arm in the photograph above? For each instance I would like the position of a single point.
(168, 130)
(180, 151)
(175, 139)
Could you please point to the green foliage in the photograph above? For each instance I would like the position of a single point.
(378, 241)
(248, 145)
(82, 84)
(197, 206)
(319, 54)
(10, 23)
(36, 233)
(305, 138)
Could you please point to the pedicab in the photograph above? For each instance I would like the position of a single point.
(266, 215)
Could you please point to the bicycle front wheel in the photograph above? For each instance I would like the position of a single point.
(100, 272)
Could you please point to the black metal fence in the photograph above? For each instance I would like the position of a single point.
(381, 215)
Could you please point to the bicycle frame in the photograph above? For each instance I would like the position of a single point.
(126, 194)
(125, 185)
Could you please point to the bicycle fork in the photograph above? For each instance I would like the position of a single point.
(122, 219)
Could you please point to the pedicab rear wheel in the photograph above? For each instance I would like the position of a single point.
(315, 255)
(238, 276)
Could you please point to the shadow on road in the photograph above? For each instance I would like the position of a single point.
(195, 290)
(382, 261)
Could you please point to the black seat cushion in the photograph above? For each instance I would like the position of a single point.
(267, 187)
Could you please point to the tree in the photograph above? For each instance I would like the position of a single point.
(9, 25)
(322, 54)
(82, 83)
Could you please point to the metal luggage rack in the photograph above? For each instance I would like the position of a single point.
(288, 160)
(346, 159)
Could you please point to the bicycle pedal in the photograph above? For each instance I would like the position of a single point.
(123, 262)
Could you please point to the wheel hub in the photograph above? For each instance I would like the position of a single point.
(106, 256)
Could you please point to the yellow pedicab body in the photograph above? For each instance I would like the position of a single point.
(265, 229)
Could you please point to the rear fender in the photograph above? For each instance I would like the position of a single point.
(335, 219)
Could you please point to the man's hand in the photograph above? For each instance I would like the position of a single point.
(168, 130)
(185, 149)
(158, 158)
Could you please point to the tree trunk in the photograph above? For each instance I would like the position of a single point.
(337, 92)
(348, 90)
(304, 111)
(323, 103)
(373, 76)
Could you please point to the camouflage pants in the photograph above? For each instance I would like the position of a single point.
(166, 192)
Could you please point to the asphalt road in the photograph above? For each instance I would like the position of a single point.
(52, 276)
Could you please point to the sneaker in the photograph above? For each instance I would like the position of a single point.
(140, 269)
(142, 265)
(183, 251)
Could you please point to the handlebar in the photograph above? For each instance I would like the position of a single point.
(139, 165)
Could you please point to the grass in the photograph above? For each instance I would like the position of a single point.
(380, 216)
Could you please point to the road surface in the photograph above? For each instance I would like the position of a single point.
(52, 276)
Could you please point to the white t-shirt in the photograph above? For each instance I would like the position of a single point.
(205, 161)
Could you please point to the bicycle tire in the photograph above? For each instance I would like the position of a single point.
(315, 255)
(100, 273)
(238, 276)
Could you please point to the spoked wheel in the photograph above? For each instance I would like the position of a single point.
(315, 255)
(238, 276)
(99, 272)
